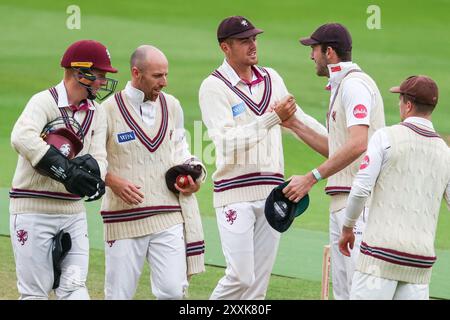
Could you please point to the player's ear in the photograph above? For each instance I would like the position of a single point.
(409, 106)
(330, 53)
(135, 72)
(225, 46)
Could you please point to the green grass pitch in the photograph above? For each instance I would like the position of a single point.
(413, 39)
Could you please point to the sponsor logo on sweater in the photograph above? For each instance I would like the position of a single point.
(238, 109)
(126, 136)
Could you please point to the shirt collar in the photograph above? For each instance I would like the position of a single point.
(136, 96)
(233, 77)
(338, 71)
(63, 101)
(420, 121)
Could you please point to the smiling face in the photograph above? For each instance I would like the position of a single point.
(151, 76)
(241, 52)
(100, 80)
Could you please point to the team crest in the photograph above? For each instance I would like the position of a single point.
(333, 115)
(110, 243)
(65, 149)
(22, 236)
(244, 23)
(107, 52)
(231, 216)
(365, 163)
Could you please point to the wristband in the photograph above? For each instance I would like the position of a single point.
(316, 174)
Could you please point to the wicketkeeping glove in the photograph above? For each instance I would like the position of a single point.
(71, 174)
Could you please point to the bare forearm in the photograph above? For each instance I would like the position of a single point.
(313, 139)
(109, 179)
(342, 158)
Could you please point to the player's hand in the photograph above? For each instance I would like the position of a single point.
(346, 241)
(291, 122)
(125, 190)
(190, 188)
(299, 187)
(285, 108)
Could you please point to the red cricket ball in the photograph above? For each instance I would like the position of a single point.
(182, 181)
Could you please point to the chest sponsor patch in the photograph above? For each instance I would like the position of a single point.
(365, 163)
(126, 136)
(360, 111)
(238, 109)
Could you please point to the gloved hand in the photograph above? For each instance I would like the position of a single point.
(73, 174)
(88, 163)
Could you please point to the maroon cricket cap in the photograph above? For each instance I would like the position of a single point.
(331, 33)
(236, 27)
(89, 54)
(421, 88)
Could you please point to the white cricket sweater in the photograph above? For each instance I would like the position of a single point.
(32, 192)
(142, 155)
(398, 242)
(249, 151)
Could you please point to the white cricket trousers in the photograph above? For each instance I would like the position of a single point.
(32, 238)
(369, 287)
(342, 267)
(250, 246)
(165, 252)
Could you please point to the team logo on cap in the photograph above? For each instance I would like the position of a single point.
(22, 236)
(65, 149)
(244, 23)
(365, 163)
(231, 216)
(360, 111)
(107, 52)
(280, 208)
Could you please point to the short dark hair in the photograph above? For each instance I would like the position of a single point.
(227, 40)
(342, 54)
(420, 107)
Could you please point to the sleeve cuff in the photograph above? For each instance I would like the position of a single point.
(270, 119)
(349, 223)
(354, 208)
(195, 264)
